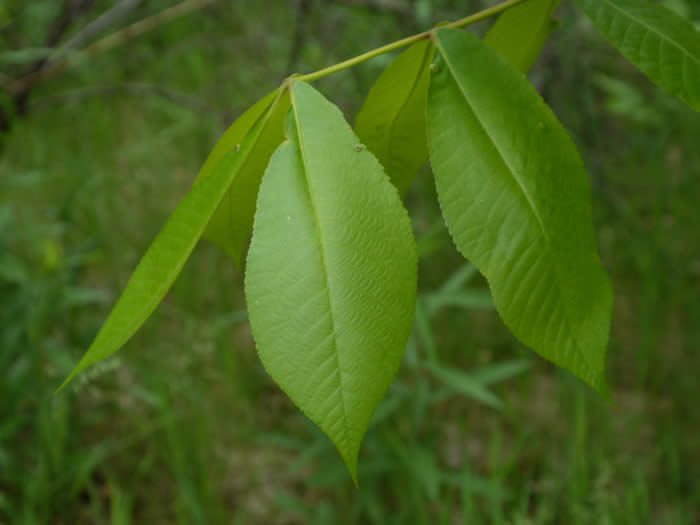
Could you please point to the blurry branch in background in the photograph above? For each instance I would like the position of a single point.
(98, 26)
(132, 88)
(71, 10)
(108, 42)
(49, 66)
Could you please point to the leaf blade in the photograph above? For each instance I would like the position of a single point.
(520, 33)
(234, 135)
(391, 122)
(516, 199)
(662, 44)
(165, 257)
(329, 227)
(232, 223)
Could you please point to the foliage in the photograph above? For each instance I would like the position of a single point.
(515, 197)
(512, 189)
(184, 425)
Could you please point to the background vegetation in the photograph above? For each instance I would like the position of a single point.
(184, 426)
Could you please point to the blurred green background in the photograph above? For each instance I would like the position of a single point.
(184, 426)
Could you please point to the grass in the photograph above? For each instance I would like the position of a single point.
(183, 425)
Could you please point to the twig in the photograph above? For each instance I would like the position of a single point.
(71, 10)
(98, 26)
(109, 42)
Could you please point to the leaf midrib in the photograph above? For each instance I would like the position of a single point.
(583, 355)
(522, 187)
(324, 258)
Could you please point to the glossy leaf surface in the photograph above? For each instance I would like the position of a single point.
(232, 222)
(162, 262)
(516, 199)
(392, 119)
(665, 46)
(331, 273)
(520, 33)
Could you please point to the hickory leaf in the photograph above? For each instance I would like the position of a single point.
(664, 45)
(331, 272)
(162, 262)
(516, 199)
(520, 33)
(232, 222)
(392, 119)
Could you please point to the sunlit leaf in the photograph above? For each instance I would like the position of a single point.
(665, 46)
(231, 224)
(331, 273)
(392, 119)
(520, 33)
(516, 199)
(166, 256)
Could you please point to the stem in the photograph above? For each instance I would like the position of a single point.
(108, 42)
(476, 17)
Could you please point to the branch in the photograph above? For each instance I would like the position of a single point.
(98, 26)
(71, 10)
(108, 42)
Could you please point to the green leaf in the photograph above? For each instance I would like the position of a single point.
(520, 33)
(665, 46)
(232, 222)
(331, 273)
(166, 256)
(516, 199)
(392, 119)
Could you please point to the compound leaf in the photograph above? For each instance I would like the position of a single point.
(162, 262)
(232, 222)
(664, 45)
(392, 119)
(516, 199)
(331, 273)
(520, 33)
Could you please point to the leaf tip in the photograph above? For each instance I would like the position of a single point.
(78, 368)
(350, 459)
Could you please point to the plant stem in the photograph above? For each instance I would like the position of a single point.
(476, 17)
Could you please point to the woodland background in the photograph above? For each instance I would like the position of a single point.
(184, 426)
